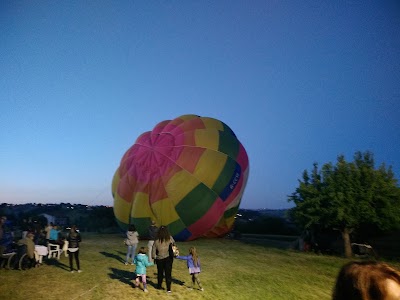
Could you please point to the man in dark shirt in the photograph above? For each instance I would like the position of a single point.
(152, 236)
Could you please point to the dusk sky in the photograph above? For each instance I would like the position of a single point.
(297, 81)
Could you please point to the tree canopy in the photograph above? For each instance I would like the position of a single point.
(346, 195)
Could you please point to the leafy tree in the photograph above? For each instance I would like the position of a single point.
(347, 195)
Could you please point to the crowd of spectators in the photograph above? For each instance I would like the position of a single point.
(28, 233)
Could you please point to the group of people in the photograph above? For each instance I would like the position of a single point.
(160, 249)
(360, 280)
(29, 240)
(70, 243)
(366, 280)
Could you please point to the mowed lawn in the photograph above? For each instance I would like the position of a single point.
(231, 269)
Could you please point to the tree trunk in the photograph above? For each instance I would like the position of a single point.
(347, 245)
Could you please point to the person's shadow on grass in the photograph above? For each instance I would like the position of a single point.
(177, 281)
(126, 277)
(121, 253)
(57, 263)
(174, 280)
(111, 255)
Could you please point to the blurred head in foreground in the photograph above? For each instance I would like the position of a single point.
(368, 280)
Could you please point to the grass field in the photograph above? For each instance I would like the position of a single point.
(231, 269)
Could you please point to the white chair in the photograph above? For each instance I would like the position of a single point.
(54, 251)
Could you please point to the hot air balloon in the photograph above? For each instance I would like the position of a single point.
(188, 174)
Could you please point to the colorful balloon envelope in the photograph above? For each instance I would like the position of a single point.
(188, 174)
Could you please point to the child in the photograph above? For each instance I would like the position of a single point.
(193, 264)
(141, 261)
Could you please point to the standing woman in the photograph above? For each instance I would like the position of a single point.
(160, 253)
(132, 240)
(74, 238)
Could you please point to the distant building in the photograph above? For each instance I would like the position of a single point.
(56, 219)
(50, 219)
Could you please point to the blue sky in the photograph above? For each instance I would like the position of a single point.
(297, 81)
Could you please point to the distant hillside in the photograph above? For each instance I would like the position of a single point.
(255, 213)
(264, 221)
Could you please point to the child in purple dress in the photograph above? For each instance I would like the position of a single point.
(193, 264)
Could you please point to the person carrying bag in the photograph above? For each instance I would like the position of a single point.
(163, 253)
